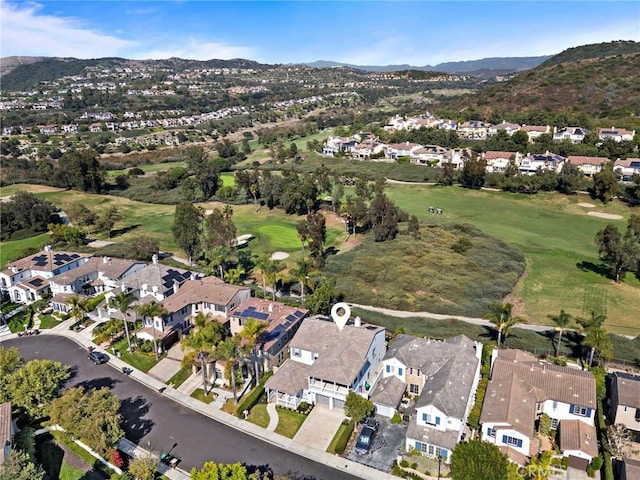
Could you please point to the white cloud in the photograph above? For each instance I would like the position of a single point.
(25, 31)
(194, 49)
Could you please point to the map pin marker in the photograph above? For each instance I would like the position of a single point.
(340, 320)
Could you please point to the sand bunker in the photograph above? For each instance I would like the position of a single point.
(279, 255)
(586, 205)
(608, 216)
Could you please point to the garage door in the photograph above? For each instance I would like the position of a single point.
(338, 404)
(322, 400)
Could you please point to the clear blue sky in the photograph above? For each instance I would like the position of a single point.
(364, 32)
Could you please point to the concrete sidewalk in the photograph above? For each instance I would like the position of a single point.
(232, 421)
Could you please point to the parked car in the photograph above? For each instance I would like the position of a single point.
(365, 439)
(370, 422)
(98, 357)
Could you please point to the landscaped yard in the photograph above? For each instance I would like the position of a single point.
(137, 359)
(48, 321)
(289, 422)
(180, 377)
(259, 415)
(199, 395)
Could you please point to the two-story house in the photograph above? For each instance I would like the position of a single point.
(541, 161)
(208, 295)
(535, 131)
(589, 166)
(429, 155)
(157, 280)
(25, 280)
(573, 134)
(397, 150)
(616, 134)
(509, 128)
(326, 363)
(443, 375)
(499, 161)
(624, 402)
(521, 389)
(474, 129)
(282, 322)
(627, 168)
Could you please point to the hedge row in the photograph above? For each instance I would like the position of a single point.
(345, 435)
(254, 395)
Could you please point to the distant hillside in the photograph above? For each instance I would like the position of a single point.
(26, 72)
(503, 64)
(604, 85)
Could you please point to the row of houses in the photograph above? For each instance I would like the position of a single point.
(479, 130)
(366, 146)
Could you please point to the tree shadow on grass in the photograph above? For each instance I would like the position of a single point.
(51, 457)
(600, 269)
(132, 411)
(122, 231)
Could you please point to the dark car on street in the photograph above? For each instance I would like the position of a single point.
(98, 357)
(365, 439)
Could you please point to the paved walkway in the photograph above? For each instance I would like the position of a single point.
(274, 418)
(321, 425)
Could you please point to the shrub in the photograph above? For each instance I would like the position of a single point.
(396, 419)
(342, 441)
(404, 463)
(254, 395)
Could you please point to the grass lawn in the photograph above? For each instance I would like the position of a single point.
(557, 238)
(13, 249)
(48, 321)
(142, 361)
(199, 395)
(342, 431)
(149, 168)
(180, 377)
(290, 422)
(259, 415)
(228, 179)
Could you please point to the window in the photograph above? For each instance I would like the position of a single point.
(295, 352)
(431, 450)
(410, 370)
(389, 369)
(514, 442)
(442, 452)
(580, 411)
(491, 432)
(554, 423)
(414, 389)
(400, 371)
(430, 419)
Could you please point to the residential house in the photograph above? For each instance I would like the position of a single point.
(443, 375)
(458, 156)
(497, 162)
(541, 161)
(589, 166)
(95, 128)
(430, 155)
(521, 389)
(48, 129)
(535, 131)
(624, 406)
(573, 134)
(282, 324)
(25, 280)
(616, 134)
(96, 275)
(208, 295)
(627, 168)
(70, 128)
(474, 129)
(510, 128)
(157, 280)
(333, 145)
(7, 431)
(364, 150)
(326, 363)
(448, 125)
(397, 150)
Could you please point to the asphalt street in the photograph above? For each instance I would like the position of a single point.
(157, 423)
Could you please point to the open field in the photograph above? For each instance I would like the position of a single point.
(148, 168)
(13, 249)
(556, 236)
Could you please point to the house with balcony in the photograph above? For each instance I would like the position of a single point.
(573, 134)
(535, 131)
(616, 134)
(497, 162)
(624, 401)
(282, 322)
(589, 166)
(443, 377)
(326, 363)
(208, 295)
(541, 161)
(509, 128)
(430, 155)
(397, 150)
(474, 129)
(520, 389)
(25, 280)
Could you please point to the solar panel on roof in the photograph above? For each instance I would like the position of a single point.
(260, 315)
(298, 314)
(40, 260)
(291, 317)
(36, 282)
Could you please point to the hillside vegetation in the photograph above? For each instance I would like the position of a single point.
(449, 268)
(575, 81)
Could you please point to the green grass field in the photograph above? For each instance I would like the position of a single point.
(13, 250)
(149, 168)
(557, 237)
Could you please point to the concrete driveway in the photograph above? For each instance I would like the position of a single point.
(169, 365)
(321, 425)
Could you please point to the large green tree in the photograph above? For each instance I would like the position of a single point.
(19, 466)
(35, 385)
(219, 230)
(384, 216)
(90, 415)
(143, 468)
(473, 172)
(108, 220)
(621, 253)
(313, 230)
(322, 298)
(475, 459)
(605, 184)
(220, 471)
(186, 228)
(358, 407)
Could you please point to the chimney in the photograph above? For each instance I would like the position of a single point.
(47, 248)
(14, 269)
(270, 307)
(154, 259)
(357, 322)
(105, 259)
(176, 286)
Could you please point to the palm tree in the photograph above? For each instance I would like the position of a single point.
(251, 332)
(301, 274)
(228, 350)
(561, 320)
(500, 315)
(202, 342)
(539, 468)
(78, 307)
(234, 275)
(598, 340)
(273, 268)
(262, 264)
(150, 311)
(121, 302)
